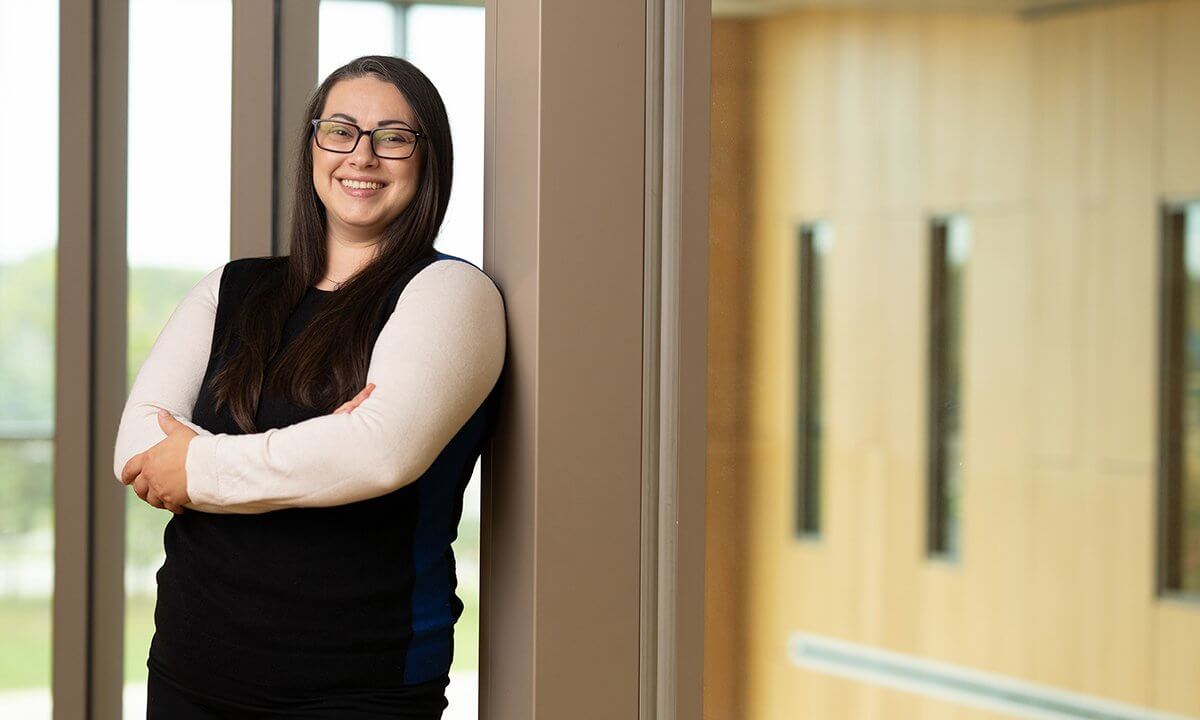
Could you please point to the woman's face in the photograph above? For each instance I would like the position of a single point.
(367, 102)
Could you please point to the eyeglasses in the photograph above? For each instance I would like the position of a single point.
(389, 143)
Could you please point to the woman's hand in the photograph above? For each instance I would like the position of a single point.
(159, 475)
(355, 401)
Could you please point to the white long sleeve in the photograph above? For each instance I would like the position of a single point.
(171, 374)
(436, 359)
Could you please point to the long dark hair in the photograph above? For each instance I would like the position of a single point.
(326, 364)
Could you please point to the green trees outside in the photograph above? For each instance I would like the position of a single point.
(27, 311)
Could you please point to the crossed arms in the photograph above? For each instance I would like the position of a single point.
(435, 361)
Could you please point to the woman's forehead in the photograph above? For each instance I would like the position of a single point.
(368, 100)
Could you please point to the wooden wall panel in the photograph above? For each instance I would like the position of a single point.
(1058, 46)
(1058, 137)
(945, 42)
(855, 171)
(996, 542)
(997, 114)
(1123, 238)
(1180, 56)
(895, 84)
(1175, 658)
(902, 408)
(812, 76)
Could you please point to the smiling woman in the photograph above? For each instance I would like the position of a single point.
(373, 103)
(357, 243)
(311, 565)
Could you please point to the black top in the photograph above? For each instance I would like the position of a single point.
(300, 601)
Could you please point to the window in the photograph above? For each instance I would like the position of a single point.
(29, 189)
(815, 242)
(1179, 485)
(350, 28)
(950, 246)
(163, 266)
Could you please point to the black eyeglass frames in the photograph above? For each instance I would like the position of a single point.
(389, 143)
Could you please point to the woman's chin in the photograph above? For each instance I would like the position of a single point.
(360, 221)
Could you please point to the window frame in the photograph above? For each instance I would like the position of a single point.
(811, 275)
(938, 545)
(1171, 380)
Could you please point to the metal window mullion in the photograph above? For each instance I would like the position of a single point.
(297, 34)
(253, 137)
(90, 339)
(401, 29)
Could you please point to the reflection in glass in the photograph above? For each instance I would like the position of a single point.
(29, 64)
(178, 230)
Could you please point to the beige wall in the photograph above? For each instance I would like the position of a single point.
(1058, 137)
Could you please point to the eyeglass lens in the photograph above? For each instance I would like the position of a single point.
(391, 143)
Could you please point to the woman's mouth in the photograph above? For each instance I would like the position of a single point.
(355, 188)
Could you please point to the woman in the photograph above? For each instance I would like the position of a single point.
(312, 420)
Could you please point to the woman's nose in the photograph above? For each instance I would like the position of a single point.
(363, 155)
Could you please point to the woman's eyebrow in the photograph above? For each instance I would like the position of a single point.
(381, 123)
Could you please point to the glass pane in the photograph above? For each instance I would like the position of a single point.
(447, 44)
(28, 257)
(951, 245)
(350, 28)
(1048, 137)
(178, 230)
(816, 240)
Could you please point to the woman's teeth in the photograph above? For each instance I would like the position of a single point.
(362, 185)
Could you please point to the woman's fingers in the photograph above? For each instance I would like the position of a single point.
(356, 400)
(141, 486)
(362, 395)
(154, 500)
(132, 468)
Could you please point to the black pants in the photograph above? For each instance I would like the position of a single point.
(167, 701)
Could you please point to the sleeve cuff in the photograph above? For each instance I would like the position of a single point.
(203, 471)
(195, 428)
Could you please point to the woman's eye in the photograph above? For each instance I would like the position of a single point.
(395, 138)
